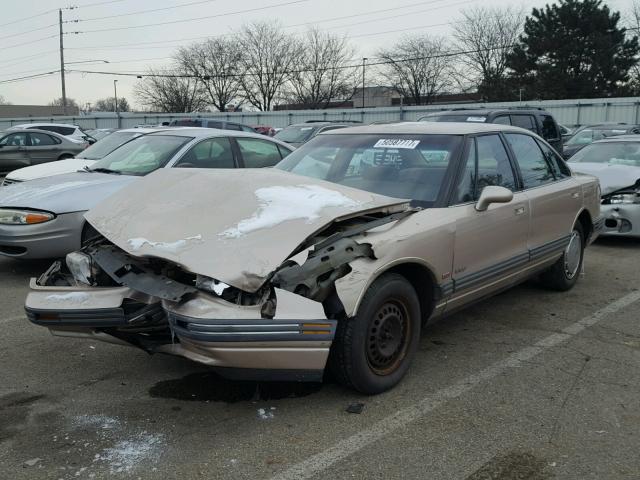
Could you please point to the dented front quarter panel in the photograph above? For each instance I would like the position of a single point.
(425, 238)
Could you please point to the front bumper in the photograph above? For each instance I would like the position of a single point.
(294, 345)
(51, 239)
(621, 220)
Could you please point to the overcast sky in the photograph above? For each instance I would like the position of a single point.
(136, 49)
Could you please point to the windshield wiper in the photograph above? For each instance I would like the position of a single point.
(103, 170)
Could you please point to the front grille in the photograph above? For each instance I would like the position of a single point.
(8, 181)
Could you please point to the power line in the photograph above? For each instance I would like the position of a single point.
(27, 18)
(96, 4)
(288, 72)
(29, 31)
(145, 11)
(29, 77)
(172, 22)
(29, 43)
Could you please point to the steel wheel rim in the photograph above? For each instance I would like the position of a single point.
(572, 255)
(388, 337)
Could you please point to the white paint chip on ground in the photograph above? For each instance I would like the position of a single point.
(74, 298)
(31, 462)
(320, 462)
(265, 414)
(279, 204)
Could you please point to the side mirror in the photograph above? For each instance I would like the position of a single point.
(493, 194)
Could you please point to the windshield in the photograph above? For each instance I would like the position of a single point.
(588, 135)
(455, 118)
(108, 144)
(613, 153)
(400, 166)
(295, 134)
(141, 155)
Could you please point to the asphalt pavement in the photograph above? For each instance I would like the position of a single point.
(531, 384)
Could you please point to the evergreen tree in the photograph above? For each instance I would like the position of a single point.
(573, 49)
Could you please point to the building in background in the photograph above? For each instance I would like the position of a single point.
(22, 111)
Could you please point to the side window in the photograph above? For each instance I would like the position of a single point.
(15, 140)
(258, 153)
(549, 130)
(466, 191)
(283, 151)
(533, 165)
(502, 120)
(212, 153)
(560, 168)
(42, 139)
(494, 167)
(524, 121)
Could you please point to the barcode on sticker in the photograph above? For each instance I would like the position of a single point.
(396, 143)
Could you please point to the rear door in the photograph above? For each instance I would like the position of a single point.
(554, 198)
(43, 148)
(490, 246)
(257, 153)
(13, 152)
(210, 153)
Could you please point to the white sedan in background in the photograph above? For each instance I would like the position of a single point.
(85, 159)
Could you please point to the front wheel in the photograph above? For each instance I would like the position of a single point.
(563, 275)
(372, 351)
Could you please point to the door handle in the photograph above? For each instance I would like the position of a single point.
(519, 210)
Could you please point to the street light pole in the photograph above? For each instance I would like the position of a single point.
(115, 98)
(364, 63)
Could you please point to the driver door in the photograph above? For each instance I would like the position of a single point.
(490, 246)
(13, 152)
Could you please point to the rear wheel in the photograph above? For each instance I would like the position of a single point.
(372, 352)
(564, 274)
(65, 156)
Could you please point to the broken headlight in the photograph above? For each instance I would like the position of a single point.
(82, 268)
(625, 198)
(210, 285)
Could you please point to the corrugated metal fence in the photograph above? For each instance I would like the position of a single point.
(567, 112)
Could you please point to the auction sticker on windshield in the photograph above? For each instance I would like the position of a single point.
(396, 143)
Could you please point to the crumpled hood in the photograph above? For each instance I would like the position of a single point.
(59, 167)
(236, 226)
(72, 192)
(612, 177)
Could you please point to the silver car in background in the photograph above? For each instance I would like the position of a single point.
(44, 218)
(616, 163)
(23, 148)
(86, 158)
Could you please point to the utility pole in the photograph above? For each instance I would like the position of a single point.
(115, 98)
(364, 62)
(64, 88)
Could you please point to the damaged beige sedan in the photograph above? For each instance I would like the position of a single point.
(335, 258)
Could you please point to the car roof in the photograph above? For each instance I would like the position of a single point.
(620, 138)
(610, 126)
(41, 124)
(200, 133)
(428, 128)
(318, 124)
(36, 130)
(487, 111)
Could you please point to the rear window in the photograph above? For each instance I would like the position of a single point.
(107, 145)
(295, 134)
(186, 123)
(612, 153)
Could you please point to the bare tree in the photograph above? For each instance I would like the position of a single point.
(217, 62)
(164, 91)
(323, 71)
(268, 57)
(57, 102)
(109, 105)
(487, 35)
(416, 67)
(633, 28)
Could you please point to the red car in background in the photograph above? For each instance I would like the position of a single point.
(265, 130)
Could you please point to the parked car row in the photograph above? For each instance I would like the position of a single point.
(179, 241)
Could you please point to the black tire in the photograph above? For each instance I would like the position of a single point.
(372, 351)
(65, 156)
(563, 275)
